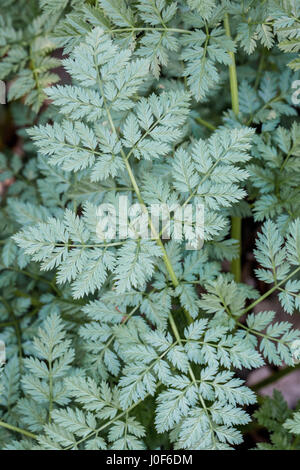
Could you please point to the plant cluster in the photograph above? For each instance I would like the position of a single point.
(139, 343)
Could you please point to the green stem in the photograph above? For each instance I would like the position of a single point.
(166, 259)
(191, 372)
(269, 292)
(260, 68)
(236, 222)
(236, 234)
(32, 276)
(274, 377)
(136, 188)
(50, 391)
(232, 73)
(133, 29)
(109, 423)
(288, 156)
(205, 123)
(19, 430)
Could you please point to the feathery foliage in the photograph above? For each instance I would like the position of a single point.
(136, 342)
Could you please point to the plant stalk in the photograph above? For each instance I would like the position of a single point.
(274, 377)
(205, 123)
(136, 188)
(236, 222)
(19, 430)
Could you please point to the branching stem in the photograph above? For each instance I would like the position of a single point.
(269, 292)
(136, 188)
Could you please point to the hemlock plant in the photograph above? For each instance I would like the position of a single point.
(137, 343)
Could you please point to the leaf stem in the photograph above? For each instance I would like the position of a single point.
(136, 188)
(260, 68)
(274, 377)
(166, 259)
(269, 292)
(19, 430)
(236, 222)
(133, 29)
(232, 72)
(205, 123)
